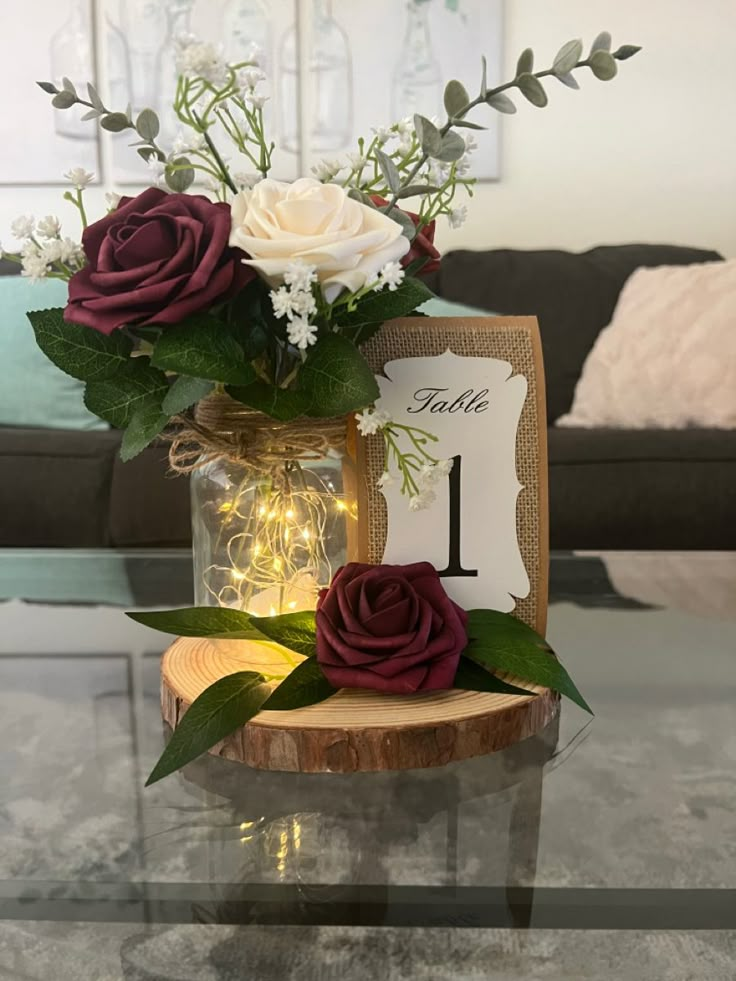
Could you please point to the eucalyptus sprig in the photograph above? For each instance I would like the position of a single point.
(399, 174)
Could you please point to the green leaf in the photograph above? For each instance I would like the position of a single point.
(221, 709)
(306, 685)
(115, 122)
(456, 98)
(411, 190)
(297, 631)
(500, 642)
(389, 170)
(48, 87)
(278, 403)
(408, 228)
(201, 621)
(569, 80)
(203, 347)
(603, 65)
(602, 42)
(567, 57)
(63, 100)
(147, 125)
(472, 677)
(92, 114)
(428, 135)
(501, 103)
(533, 90)
(467, 124)
(525, 64)
(185, 392)
(145, 424)
(377, 308)
(94, 97)
(68, 86)
(483, 77)
(336, 377)
(179, 177)
(79, 351)
(134, 386)
(451, 148)
(626, 51)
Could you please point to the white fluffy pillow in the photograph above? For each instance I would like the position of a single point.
(668, 358)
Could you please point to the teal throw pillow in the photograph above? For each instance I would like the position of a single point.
(33, 391)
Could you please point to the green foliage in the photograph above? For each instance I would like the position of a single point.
(201, 621)
(145, 424)
(602, 42)
(184, 392)
(603, 65)
(567, 57)
(456, 98)
(500, 642)
(472, 677)
(79, 351)
(532, 89)
(115, 122)
(306, 685)
(203, 347)
(501, 103)
(626, 51)
(222, 708)
(430, 138)
(451, 148)
(278, 403)
(180, 175)
(147, 125)
(389, 170)
(525, 64)
(134, 387)
(336, 378)
(297, 631)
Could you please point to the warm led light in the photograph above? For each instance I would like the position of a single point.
(238, 575)
(341, 505)
(277, 564)
(272, 611)
(306, 534)
(290, 514)
(271, 515)
(261, 510)
(225, 507)
(292, 605)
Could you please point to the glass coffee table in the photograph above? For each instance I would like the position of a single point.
(597, 850)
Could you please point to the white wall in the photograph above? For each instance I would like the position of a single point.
(650, 156)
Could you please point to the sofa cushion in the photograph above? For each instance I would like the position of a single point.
(572, 294)
(55, 487)
(149, 506)
(642, 489)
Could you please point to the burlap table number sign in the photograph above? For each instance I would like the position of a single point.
(477, 384)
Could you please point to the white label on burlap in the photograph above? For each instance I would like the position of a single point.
(473, 407)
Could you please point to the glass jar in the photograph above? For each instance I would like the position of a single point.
(267, 540)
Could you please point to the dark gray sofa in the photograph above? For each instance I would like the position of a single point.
(609, 489)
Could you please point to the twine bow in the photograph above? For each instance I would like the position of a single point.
(221, 428)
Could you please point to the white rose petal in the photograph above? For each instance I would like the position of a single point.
(346, 242)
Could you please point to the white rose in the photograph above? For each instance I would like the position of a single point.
(347, 242)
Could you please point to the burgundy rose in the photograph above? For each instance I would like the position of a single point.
(422, 246)
(156, 259)
(389, 627)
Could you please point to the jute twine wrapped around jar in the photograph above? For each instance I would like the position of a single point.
(221, 428)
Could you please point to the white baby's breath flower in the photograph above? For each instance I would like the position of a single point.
(212, 184)
(51, 251)
(245, 181)
(383, 133)
(256, 100)
(299, 275)
(406, 141)
(356, 161)
(385, 480)
(457, 216)
(444, 467)
(437, 173)
(34, 267)
(248, 78)
(471, 144)
(113, 200)
(186, 142)
(301, 333)
(71, 252)
(49, 227)
(427, 475)
(23, 227)
(392, 275)
(303, 303)
(423, 500)
(462, 166)
(370, 421)
(281, 301)
(406, 125)
(200, 59)
(256, 55)
(79, 177)
(157, 169)
(325, 170)
(29, 248)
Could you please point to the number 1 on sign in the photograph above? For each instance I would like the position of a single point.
(454, 562)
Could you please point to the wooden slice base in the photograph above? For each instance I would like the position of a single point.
(354, 730)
